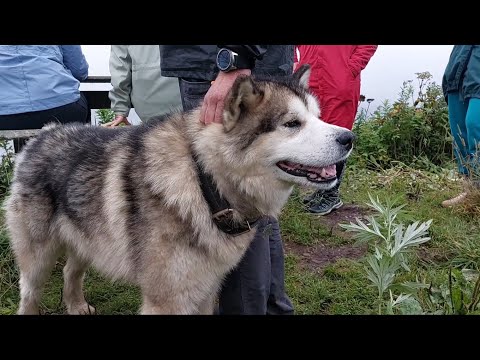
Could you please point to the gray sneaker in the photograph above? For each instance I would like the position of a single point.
(326, 203)
(316, 194)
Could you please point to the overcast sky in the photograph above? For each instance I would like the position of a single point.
(382, 79)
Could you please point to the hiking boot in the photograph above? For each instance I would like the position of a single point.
(308, 199)
(455, 201)
(325, 203)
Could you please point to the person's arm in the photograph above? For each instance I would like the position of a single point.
(250, 52)
(75, 61)
(212, 107)
(120, 65)
(360, 58)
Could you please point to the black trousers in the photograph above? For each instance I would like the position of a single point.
(78, 111)
(256, 285)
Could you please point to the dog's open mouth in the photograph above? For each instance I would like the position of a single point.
(312, 173)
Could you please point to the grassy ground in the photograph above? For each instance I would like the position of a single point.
(324, 267)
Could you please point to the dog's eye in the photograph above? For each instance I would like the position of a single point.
(293, 123)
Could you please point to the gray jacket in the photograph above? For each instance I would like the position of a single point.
(137, 82)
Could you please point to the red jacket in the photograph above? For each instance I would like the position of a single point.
(335, 78)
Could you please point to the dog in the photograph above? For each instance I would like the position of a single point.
(130, 203)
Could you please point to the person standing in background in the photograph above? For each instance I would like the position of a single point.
(335, 81)
(137, 82)
(461, 88)
(41, 84)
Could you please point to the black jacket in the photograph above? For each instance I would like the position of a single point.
(199, 61)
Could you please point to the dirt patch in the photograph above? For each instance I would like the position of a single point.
(433, 256)
(316, 258)
(346, 214)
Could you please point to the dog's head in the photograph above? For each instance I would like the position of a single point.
(276, 124)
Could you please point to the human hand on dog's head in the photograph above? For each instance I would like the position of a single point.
(119, 119)
(213, 103)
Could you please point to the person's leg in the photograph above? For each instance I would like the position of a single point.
(246, 288)
(278, 301)
(77, 112)
(472, 124)
(74, 112)
(457, 113)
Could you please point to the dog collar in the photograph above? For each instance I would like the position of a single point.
(222, 213)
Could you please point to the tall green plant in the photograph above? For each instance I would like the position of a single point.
(390, 241)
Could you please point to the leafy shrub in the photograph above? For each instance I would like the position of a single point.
(6, 171)
(105, 115)
(415, 130)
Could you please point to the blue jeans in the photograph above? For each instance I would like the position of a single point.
(257, 285)
(464, 119)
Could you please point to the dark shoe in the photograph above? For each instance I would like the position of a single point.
(316, 194)
(325, 204)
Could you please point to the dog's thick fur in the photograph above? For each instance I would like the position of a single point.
(128, 201)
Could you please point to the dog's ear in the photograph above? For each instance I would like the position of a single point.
(244, 96)
(302, 75)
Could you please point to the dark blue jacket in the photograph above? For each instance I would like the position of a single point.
(462, 73)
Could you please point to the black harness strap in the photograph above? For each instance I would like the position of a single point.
(222, 213)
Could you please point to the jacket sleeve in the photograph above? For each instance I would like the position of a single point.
(249, 52)
(121, 78)
(75, 61)
(360, 58)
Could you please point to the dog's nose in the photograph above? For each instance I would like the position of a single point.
(346, 139)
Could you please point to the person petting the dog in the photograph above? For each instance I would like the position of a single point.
(206, 74)
(461, 88)
(335, 81)
(137, 82)
(41, 84)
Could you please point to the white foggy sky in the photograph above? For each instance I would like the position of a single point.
(382, 79)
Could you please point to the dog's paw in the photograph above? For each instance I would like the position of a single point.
(81, 309)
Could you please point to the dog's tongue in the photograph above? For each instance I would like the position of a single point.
(326, 172)
(329, 171)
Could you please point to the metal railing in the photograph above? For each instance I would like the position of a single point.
(97, 99)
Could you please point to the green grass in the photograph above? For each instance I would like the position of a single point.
(303, 229)
(340, 287)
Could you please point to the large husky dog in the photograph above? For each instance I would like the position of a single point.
(129, 201)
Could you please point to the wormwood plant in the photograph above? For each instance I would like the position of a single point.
(389, 241)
